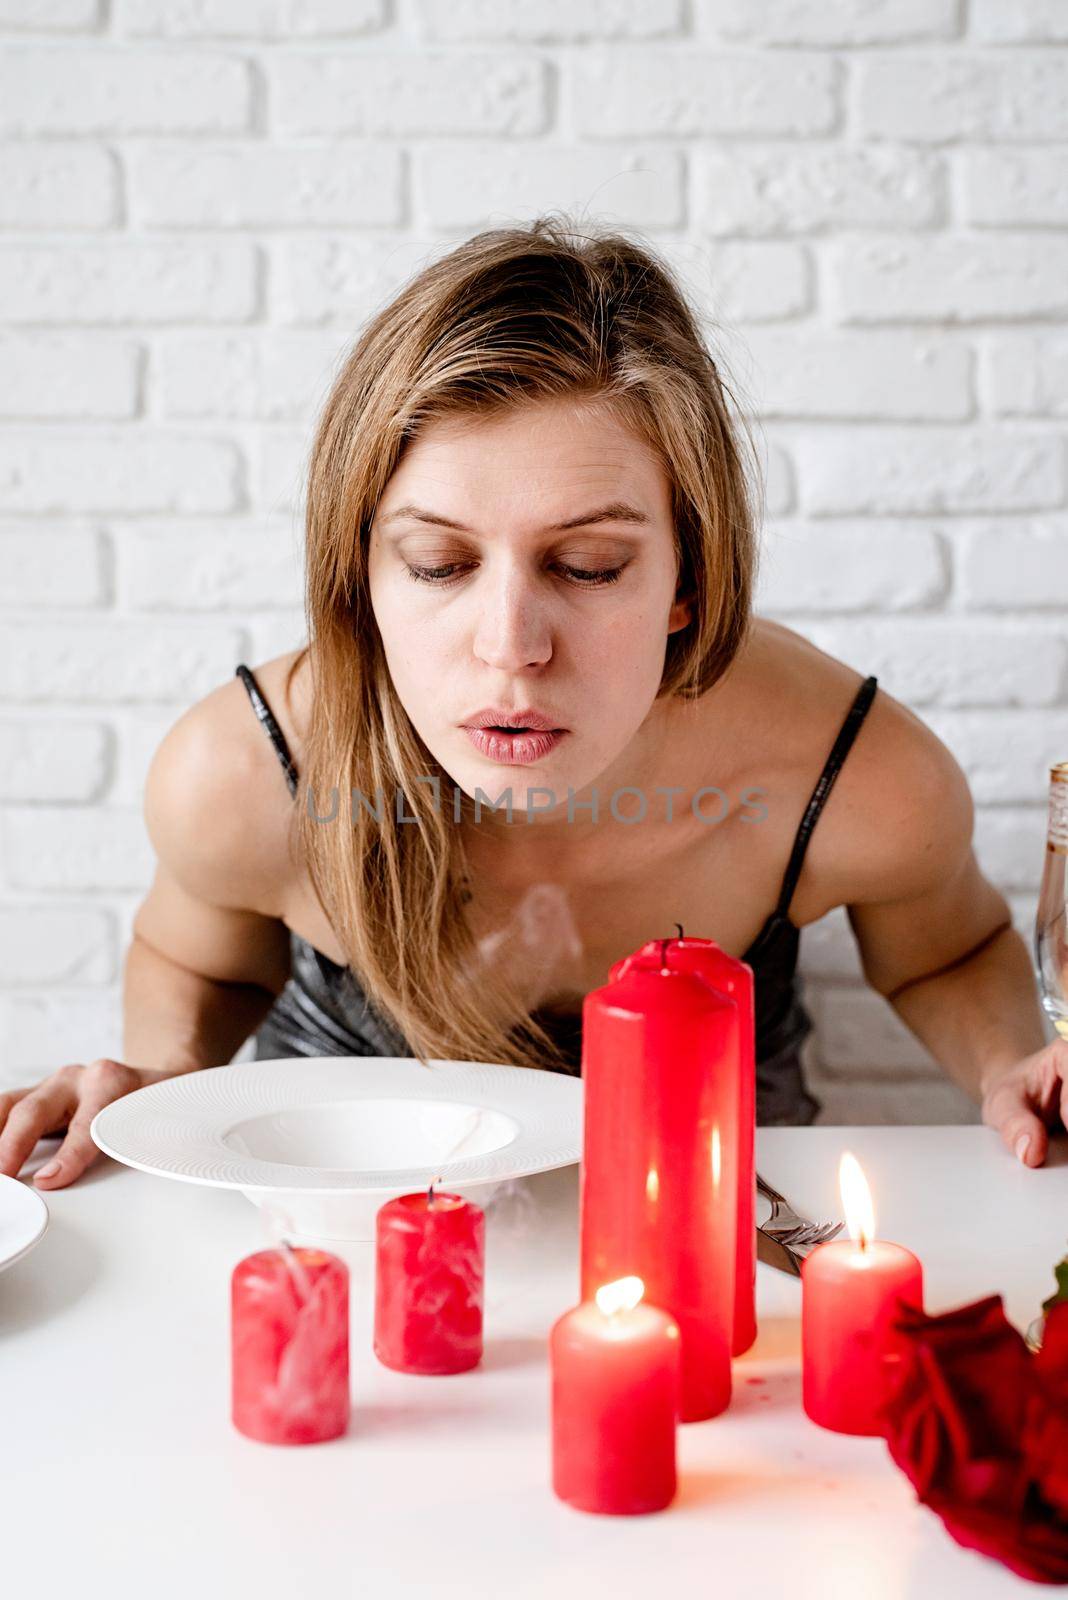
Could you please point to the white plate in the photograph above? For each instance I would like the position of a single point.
(23, 1219)
(321, 1142)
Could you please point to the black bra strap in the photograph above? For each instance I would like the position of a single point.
(266, 716)
(846, 734)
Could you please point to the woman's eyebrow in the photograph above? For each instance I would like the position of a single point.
(615, 511)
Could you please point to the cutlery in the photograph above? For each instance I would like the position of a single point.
(774, 1254)
(788, 1227)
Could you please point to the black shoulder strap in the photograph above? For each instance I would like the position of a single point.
(846, 734)
(266, 716)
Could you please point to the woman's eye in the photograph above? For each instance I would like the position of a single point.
(592, 578)
(584, 577)
(430, 574)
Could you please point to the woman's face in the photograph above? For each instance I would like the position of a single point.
(511, 610)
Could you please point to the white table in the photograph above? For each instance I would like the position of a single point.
(123, 1474)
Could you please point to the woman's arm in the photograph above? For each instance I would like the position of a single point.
(980, 1019)
(949, 961)
(210, 951)
(981, 1014)
(983, 1023)
(936, 938)
(176, 1020)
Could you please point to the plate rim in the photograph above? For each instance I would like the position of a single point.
(259, 1177)
(44, 1214)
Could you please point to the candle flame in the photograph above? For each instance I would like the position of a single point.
(856, 1200)
(717, 1156)
(652, 1185)
(621, 1295)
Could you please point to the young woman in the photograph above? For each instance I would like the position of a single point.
(531, 505)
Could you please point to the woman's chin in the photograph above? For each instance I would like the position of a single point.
(533, 788)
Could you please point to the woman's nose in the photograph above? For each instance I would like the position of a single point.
(513, 626)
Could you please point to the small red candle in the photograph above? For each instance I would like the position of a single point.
(658, 1188)
(734, 978)
(615, 1389)
(850, 1291)
(429, 1275)
(289, 1332)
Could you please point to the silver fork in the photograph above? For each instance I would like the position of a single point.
(784, 1224)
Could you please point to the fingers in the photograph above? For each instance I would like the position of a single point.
(27, 1115)
(101, 1082)
(1008, 1109)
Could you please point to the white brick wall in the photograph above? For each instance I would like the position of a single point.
(200, 201)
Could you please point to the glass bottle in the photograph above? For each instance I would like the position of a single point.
(1051, 936)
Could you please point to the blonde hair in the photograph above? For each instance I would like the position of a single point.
(511, 316)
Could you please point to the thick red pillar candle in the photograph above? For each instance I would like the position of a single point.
(429, 1275)
(734, 978)
(615, 1395)
(850, 1291)
(289, 1322)
(658, 1194)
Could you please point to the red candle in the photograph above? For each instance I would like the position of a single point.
(734, 978)
(615, 1392)
(658, 1191)
(429, 1273)
(850, 1291)
(289, 1334)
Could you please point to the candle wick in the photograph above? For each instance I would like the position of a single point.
(679, 926)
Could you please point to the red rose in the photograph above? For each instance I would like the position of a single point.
(980, 1428)
(1046, 1423)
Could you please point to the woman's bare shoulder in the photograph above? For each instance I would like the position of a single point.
(216, 803)
(900, 806)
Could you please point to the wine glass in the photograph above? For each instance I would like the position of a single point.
(1051, 935)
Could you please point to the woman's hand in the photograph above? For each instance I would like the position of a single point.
(66, 1102)
(1025, 1100)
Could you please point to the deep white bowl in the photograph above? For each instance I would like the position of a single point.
(320, 1143)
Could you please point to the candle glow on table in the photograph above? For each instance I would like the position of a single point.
(289, 1335)
(850, 1291)
(429, 1282)
(658, 1186)
(615, 1365)
(734, 978)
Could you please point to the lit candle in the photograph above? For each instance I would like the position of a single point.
(289, 1336)
(429, 1274)
(615, 1389)
(658, 1192)
(707, 960)
(850, 1291)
